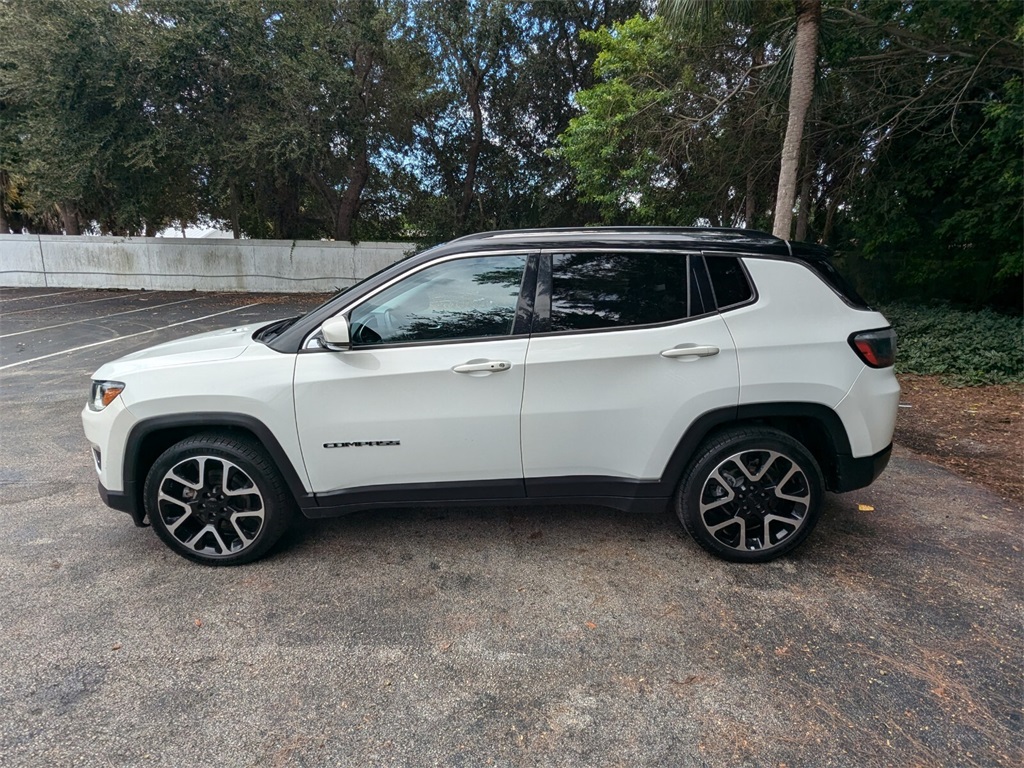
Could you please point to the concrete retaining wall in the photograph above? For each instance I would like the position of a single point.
(158, 263)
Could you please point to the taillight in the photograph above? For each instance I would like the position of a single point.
(875, 348)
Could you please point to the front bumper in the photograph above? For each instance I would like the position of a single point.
(107, 433)
(124, 502)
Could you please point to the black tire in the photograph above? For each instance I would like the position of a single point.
(750, 494)
(217, 499)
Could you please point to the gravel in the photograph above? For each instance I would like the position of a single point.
(471, 637)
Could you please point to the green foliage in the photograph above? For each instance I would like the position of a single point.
(521, 63)
(319, 118)
(656, 142)
(946, 220)
(75, 131)
(932, 193)
(965, 348)
(611, 146)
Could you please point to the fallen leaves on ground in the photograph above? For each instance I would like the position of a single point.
(975, 431)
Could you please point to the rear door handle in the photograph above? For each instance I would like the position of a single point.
(691, 350)
(483, 366)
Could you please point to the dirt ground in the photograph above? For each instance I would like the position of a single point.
(977, 432)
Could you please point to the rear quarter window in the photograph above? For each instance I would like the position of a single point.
(834, 280)
(729, 281)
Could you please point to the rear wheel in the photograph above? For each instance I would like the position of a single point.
(217, 499)
(750, 495)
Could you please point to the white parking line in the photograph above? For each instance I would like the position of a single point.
(42, 295)
(121, 338)
(92, 319)
(77, 303)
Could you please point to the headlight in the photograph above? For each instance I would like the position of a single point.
(103, 394)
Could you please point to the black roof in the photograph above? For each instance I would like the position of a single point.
(618, 236)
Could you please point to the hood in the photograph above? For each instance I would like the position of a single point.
(201, 348)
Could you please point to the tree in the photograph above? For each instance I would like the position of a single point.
(706, 13)
(475, 45)
(340, 87)
(679, 127)
(526, 60)
(910, 161)
(403, 118)
(78, 134)
(935, 207)
(532, 184)
(273, 116)
(801, 90)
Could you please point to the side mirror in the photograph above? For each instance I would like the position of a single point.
(335, 333)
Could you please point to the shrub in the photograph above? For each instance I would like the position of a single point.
(964, 348)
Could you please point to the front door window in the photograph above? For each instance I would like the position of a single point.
(459, 299)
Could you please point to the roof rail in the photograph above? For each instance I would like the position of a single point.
(721, 232)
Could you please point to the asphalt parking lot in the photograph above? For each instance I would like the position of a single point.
(472, 637)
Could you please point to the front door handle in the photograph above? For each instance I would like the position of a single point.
(483, 366)
(691, 350)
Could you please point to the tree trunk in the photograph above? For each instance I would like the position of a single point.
(348, 207)
(750, 202)
(330, 196)
(69, 216)
(801, 89)
(236, 206)
(4, 181)
(472, 157)
(803, 214)
(803, 210)
(286, 193)
(830, 214)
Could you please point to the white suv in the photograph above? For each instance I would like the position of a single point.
(727, 372)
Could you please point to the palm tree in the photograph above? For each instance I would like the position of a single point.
(801, 87)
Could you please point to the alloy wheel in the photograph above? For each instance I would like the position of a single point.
(755, 500)
(210, 506)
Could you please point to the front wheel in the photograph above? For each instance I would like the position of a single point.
(217, 499)
(750, 494)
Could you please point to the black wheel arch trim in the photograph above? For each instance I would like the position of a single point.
(201, 421)
(703, 426)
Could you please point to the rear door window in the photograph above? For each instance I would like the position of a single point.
(610, 289)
